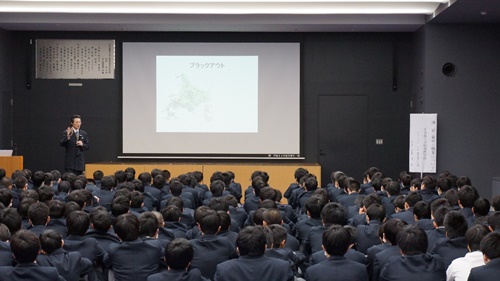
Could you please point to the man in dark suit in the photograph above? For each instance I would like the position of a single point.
(25, 248)
(211, 250)
(491, 256)
(410, 200)
(332, 213)
(368, 234)
(314, 205)
(69, 265)
(38, 213)
(414, 264)
(127, 268)
(252, 263)
(106, 192)
(353, 188)
(336, 242)
(178, 256)
(438, 233)
(75, 142)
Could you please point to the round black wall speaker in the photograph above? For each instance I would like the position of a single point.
(449, 69)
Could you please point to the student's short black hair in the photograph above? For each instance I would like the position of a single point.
(495, 203)
(494, 221)
(171, 213)
(251, 241)
(175, 201)
(38, 213)
(429, 182)
(412, 198)
(490, 245)
(20, 182)
(108, 183)
(422, 210)
(462, 181)
(258, 216)
(12, 219)
(145, 178)
(370, 199)
(393, 188)
(210, 223)
(120, 176)
(314, 205)
(4, 233)
(475, 235)
(5, 196)
(120, 205)
(336, 240)
(218, 204)
(50, 240)
(226, 178)
(311, 184)
(198, 176)
(399, 202)
(178, 254)
(481, 207)
(416, 182)
(200, 212)
(376, 212)
(127, 227)
(392, 228)
(56, 208)
(440, 202)
(440, 214)
(467, 196)
(77, 223)
(406, 179)
(98, 175)
(299, 173)
(334, 213)
(455, 224)
(136, 199)
(268, 204)
(64, 186)
(176, 187)
(272, 216)
(217, 187)
(352, 185)
(412, 240)
(279, 234)
(267, 193)
(148, 224)
(101, 219)
(231, 200)
(25, 246)
(225, 220)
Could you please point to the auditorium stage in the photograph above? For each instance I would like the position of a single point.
(280, 174)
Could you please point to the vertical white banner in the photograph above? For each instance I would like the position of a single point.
(423, 143)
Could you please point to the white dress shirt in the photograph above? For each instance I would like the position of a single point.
(459, 269)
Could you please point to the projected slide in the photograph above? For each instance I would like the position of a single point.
(205, 94)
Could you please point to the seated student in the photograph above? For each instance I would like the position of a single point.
(78, 223)
(219, 204)
(298, 174)
(391, 230)
(63, 189)
(407, 215)
(106, 193)
(360, 217)
(172, 217)
(314, 205)
(176, 188)
(25, 247)
(120, 255)
(273, 216)
(69, 265)
(178, 256)
(195, 232)
(232, 187)
(352, 191)
(459, 268)
(392, 190)
(467, 195)
(57, 221)
(38, 214)
(211, 250)
(137, 203)
(481, 209)
(443, 184)
(493, 222)
(336, 188)
(428, 189)
(23, 208)
(252, 263)
(310, 186)
(148, 232)
(225, 230)
(336, 241)
(252, 203)
(200, 187)
(249, 192)
(491, 255)
(422, 215)
(438, 233)
(368, 234)
(279, 251)
(414, 264)
(332, 213)
(6, 258)
(237, 213)
(452, 197)
(45, 194)
(495, 203)
(187, 215)
(100, 228)
(5, 197)
(454, 245)
(405, 181)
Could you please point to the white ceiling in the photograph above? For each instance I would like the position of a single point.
(237, 15)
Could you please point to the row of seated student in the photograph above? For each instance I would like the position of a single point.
(444, 222)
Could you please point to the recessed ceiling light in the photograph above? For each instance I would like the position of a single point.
(484, 13)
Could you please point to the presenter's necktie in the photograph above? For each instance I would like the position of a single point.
(77, 134)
